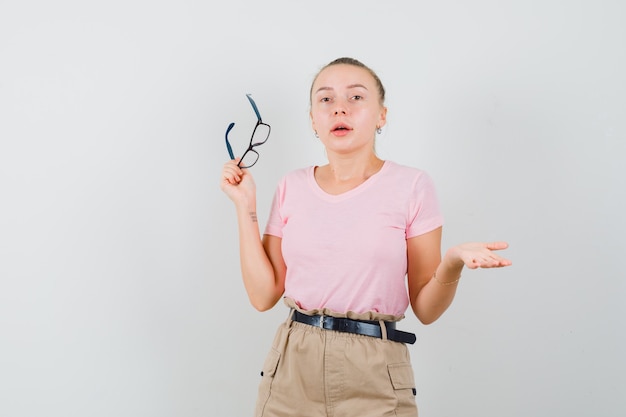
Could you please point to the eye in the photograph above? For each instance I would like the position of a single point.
(325, 99)
(357, 98)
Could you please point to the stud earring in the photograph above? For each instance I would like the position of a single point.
(316, 135)
(379, 130)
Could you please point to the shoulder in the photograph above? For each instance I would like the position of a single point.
(404, 173)
(300, 174)
(295, 179)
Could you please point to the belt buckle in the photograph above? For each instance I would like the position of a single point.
(321, 325)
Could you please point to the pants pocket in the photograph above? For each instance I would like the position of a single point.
(267, 377)
(403, 382)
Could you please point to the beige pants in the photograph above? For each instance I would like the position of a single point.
(311, 372)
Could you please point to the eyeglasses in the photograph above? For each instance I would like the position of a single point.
(260, 134)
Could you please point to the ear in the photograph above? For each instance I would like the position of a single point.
(383, 117)
(312, 121)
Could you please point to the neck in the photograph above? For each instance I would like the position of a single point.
(351, 169)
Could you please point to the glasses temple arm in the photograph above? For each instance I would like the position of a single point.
(228, 147)
(254, 107)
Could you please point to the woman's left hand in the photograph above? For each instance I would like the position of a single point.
(480, 255)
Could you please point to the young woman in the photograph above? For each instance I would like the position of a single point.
(342, 244)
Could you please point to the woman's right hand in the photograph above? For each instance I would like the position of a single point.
(238, 183)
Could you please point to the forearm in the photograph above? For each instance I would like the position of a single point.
(438, 293)
(256, 268)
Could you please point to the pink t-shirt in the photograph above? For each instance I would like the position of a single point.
(347, 252)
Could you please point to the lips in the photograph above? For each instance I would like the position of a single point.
(341, 127)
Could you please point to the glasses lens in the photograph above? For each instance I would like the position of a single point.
(249, 158)
(260, 134)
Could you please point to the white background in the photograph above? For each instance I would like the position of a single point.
(120, 292)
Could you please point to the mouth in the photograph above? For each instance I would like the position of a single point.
(341, 128)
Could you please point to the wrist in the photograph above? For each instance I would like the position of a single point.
(247, 210)
(445, 283)
(452, 260)
(245, 204)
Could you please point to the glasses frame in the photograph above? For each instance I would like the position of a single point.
(252, 144)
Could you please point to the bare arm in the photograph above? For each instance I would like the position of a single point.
(433, 281)
(262, 265)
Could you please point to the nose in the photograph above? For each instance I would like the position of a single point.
(339, 110)
(340, 106)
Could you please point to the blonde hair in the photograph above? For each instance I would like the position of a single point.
(355, 63)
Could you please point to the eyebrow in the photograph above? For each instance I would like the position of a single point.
(349, 87)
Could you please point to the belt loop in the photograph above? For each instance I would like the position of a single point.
(290, 317)
(383, 329)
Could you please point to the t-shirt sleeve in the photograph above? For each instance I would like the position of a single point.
(424, 212)
(275, 221)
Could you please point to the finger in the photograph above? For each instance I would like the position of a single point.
(229, 172)
(231, 176)
(505, 262)
(486, 260)
(228, 181)
(500, 261)
(496, 263)
(232, 168)
(232, 164)
(497, 245)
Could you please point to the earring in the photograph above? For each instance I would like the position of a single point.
(316, 135)
(379, 130)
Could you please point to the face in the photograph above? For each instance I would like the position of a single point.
(346, 108)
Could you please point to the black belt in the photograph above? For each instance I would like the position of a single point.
(364, 327)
